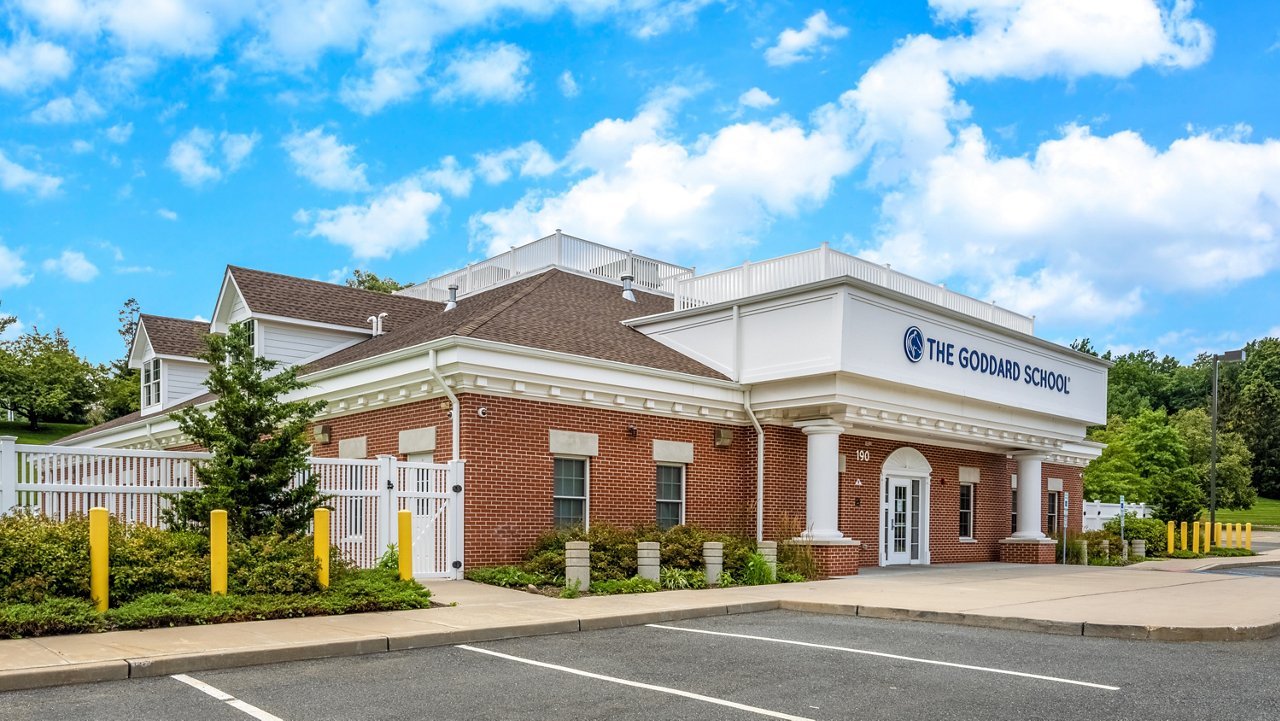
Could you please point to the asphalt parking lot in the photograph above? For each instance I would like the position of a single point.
(767, 665)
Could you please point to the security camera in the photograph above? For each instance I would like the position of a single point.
(482, 411)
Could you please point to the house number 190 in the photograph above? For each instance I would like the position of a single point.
(862, 456)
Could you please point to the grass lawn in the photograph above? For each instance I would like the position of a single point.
(48, 433)
(1266, 512)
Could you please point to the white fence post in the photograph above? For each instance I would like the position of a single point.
(457, 486)
(386, 496)
(8, 474)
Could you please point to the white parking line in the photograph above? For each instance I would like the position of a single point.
(225, 697)
(894, 656)
(647, 686)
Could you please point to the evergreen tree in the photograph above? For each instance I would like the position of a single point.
(258, 442)
(1257, 419)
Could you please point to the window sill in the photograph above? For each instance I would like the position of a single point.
(968, 540)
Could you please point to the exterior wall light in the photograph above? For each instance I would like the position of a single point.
(320, 433)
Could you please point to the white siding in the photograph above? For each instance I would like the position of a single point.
(181, 379)
(292, 344)
(238, 310)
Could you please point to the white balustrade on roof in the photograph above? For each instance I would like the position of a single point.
(560, 250)
(823, 263)
(691, 290)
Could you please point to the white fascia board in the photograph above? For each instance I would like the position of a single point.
(643, 323)
(216, 325)
(127, 435)
(286, 320)
(140, 353)
(181, 359)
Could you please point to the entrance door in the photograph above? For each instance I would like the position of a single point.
(900, 529)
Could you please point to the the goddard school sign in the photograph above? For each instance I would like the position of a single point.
(918, 347)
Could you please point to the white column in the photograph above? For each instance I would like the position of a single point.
(822, 496)
(1029, 482)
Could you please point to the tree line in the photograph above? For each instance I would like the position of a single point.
(1158, 432)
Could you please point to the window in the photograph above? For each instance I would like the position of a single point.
(1013, 524)
(1051, 520)
(150, 382)
(966, 510)
(670, 496)
(569, 502)
(253, 335)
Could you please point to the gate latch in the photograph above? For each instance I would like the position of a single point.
(457, 488)
(391, 486)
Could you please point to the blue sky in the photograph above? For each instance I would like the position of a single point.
(1107, 165)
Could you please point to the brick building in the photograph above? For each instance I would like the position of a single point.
(892, 420)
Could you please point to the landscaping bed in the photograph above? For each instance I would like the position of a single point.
(160, 578)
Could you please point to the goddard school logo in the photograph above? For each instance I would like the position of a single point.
(913, 344)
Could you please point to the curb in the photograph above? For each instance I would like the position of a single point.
(164, 665)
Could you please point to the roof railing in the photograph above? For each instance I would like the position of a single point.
(557, 249)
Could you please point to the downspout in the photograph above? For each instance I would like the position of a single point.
(746, 405)
(456, 411)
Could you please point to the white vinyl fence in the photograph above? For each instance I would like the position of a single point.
(1097, 513)
(364, 495)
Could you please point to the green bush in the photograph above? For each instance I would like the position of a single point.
(148, 560)
(674, 579)
(508, 576)
(277, 564)
(613, 550)
(42, 559)
(756, 571)
(635, 584)
(49, 617)
(1151, 530)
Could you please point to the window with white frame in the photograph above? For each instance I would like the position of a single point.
(150, 382)
(1051, 519)
(252, 327)
(1013, 517)
(569, 494)
(670, 496)
(967, 494)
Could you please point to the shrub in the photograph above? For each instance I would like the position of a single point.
(42, 559)
(756, 571)
(795, 559)
(151, 560)
(1151, 530)
(674, 579)
(49, 617)
(635, 584)
(277, 564)
(508, 576)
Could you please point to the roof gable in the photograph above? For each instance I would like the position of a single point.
(176, 337)
(320, 303)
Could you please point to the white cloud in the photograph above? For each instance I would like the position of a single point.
(794, 46)
(192, 156)
(568, 86)
(450, 177)
(397, 219)
(167, 214)
(756, 98)
(219, 76)
(73, 265)
(119, 134)
(295, 33)
(489, 73)
(13, 269)
(643, 189)
(27, 64)
(14, 177)
(324, 161)
(68, 109)
(172, 27)
(199, 318)
(14, 331)
(532, 160)
(385, 86)
(80, 146)
(1108, 215)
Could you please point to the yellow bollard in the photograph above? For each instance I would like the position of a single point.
(1206, 537)
(1184, 535)
(99, 556)
(218, 553)
(1195, 536)
(406, 544)
(1170, 549)
(1217, 534)
(1248, 536)
(1239, 536)
(321, 535)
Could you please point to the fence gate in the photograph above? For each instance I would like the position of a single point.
(433, 493)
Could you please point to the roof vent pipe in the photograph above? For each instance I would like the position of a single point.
(375, 321)
(453, 297)
(626, 288)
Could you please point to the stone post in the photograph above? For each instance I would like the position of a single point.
(1139, 548)
(1106, 548)
(577, 564)
(713, 556)
(1084, 552)
(648, 559)
(1124, 550)
(769, 549)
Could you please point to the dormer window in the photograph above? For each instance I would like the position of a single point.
(253, 336)
(150, 382)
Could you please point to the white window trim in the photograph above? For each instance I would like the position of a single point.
(973, 510)
(1053, 502)
(586, 488)
(684, 482)
(156, 383)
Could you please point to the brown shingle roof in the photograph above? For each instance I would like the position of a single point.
(320, 302)
(133, 417)
(553, 310)
(175, 336)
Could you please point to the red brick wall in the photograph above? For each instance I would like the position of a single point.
(381, 428)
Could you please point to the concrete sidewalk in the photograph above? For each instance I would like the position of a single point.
(1137, 602)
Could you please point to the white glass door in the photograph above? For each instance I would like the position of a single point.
(899, 522)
